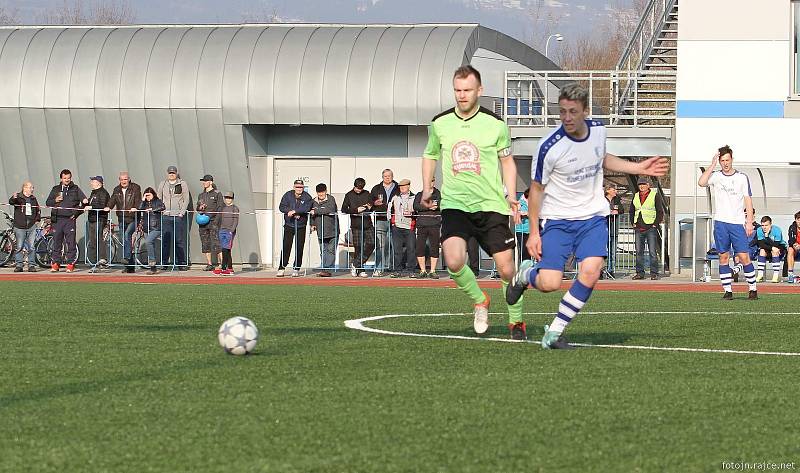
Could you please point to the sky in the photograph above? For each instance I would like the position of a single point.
(530, 21)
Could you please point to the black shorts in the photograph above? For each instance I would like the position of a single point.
(491, 229)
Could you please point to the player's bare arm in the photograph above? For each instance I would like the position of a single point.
(534, 210)
(428, 169)
(748, 221)
(703, 181)
(655, 166)
(509, 168)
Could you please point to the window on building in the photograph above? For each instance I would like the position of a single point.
(795, 48)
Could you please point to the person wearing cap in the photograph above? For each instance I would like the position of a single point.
(174, 193)
(403, 225)
(66, 202)
(295, 206)
(646, 213)
(125, 197)
(210, 202)
(96, 206)
(382, 194)
(325, 223)
(229, 220)
(26, 215)
(357, 204)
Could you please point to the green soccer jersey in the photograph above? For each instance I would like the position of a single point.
(470, 149)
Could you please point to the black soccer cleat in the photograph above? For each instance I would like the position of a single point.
(752, 295)
(518, 283)
(727, 296)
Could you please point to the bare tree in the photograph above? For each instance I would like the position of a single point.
(264, 13)
(542, 23)
(101, 12)
(9, 16)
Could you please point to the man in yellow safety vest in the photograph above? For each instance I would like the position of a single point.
(646, 213)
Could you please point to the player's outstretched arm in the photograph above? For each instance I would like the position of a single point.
(655, 166)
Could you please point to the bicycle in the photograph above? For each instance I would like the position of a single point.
(110, 239)
(43, 244)
(8, 241)
(138, 250)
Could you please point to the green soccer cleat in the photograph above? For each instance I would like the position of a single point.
(518, 283)
(554, 340)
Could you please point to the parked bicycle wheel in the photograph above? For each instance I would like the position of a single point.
(112, 253)
(45, 247)
(139, 249)
(6, 248)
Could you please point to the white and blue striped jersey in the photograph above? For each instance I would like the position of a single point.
(571, 172)
(729, 193)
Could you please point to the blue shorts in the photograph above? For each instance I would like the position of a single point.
(561, 238)
(225, 239)
(727, 235)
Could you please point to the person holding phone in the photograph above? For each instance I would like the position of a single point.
(66, 200)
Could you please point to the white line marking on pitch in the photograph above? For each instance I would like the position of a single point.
(358, 324)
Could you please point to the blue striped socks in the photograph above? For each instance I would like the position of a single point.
(572, 302)
(726, 277)
(750, 275)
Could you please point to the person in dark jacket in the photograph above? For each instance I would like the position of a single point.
(382, 193)
(295, 206)
(126, 197)
(26, 215)
(793, 247)
(325, 222)
(96, 207)
(210, 200)
(646, 213)
(429, 229)
(151, 209)
(229, 220)
(357, 204)
(66, 201)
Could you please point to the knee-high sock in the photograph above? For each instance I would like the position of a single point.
(572, 302)
(514, 311)
(776, 264)
(750, 276)
(465, 280)
(762, 265)
(725, 277)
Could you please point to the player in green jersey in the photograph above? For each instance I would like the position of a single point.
(478, 192)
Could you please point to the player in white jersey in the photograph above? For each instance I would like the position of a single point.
(567, 195)
(733, 218)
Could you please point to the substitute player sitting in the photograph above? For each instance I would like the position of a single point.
(568, 209)
(475, 149)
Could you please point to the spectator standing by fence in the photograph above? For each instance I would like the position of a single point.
(403, 225)
(295, 206)
(382, 194)
(429, 230)
(793, 247)
(96, 206)
(210, 200)
(151, 209)
(769, 239)
(646, 213)
(65, 199)
(325, 222)
(26, 215)
(228, 222)
(175, 195)
(615, 209)
(126, 197)
(357, 204)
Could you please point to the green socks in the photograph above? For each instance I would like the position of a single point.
(465, 280)
(514, 311)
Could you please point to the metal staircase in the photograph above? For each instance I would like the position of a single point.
(652, 47)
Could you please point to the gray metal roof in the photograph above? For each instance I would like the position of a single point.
(256, 74)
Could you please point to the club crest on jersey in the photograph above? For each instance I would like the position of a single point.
(465, 157)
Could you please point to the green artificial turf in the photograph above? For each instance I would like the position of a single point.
(124, 377)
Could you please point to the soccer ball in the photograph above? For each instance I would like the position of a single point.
(238, 335)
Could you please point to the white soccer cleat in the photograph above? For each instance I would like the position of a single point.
(776, 277)
(480, 313)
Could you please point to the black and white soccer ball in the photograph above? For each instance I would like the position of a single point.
(238, 335)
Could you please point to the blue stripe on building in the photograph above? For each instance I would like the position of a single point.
(728, 109)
